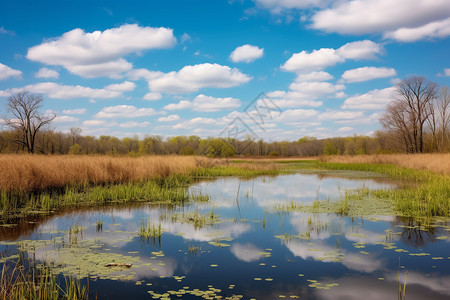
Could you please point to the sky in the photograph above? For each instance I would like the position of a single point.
(259, 69)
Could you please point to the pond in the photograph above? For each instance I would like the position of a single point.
(240, 245)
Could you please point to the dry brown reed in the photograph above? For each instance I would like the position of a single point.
(437, 163)
(38, 172)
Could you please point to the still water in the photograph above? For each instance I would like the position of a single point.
(238, 246)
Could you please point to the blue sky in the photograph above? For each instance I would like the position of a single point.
(325, 68)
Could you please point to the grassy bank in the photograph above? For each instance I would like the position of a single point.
(423, 193)
(436, 163)
(36, 184)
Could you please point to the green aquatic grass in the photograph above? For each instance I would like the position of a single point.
(26, 280)
(420, 194)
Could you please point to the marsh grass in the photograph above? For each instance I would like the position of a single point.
(31, 173)
(436, 163)
(26, 280)
(422, 193)
(150, 230)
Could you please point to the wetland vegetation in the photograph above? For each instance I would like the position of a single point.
(268, 226)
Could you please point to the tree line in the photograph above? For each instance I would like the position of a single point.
(416, 121)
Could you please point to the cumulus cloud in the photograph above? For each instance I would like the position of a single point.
(246, 53)
(65, 119)
(314, 76)
(367, 73)
(137, 74)
(193, 78)
(93, 123)
(57, 91)
(169, 118)
(152, 96)
(360, 50)
(438, 29)
(374, 100)
(292, 99)
(7, 72)
(340, 115)
(317, 60)
(209, 104)
(100, 53)
(126, 86)
(125, 111)
(46, 73)
(316, 88)
(133, 124)
(77, 111)
(206, 104)
(345, 129)
(447, 72)
(373, 16)
(183, 104)
(277, 6)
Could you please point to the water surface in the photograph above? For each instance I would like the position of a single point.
(238, 246)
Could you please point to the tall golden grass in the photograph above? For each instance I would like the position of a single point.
(37, 172)
(437, 163)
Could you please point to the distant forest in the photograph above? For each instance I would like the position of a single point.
(416, 121)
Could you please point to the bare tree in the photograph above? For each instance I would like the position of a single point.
(443, 108)
(410, 110)
(26, 119)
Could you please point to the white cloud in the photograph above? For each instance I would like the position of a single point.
(316, 88)
(152, 96)
(143, 73)
(277, 6)
(360, 50)
(185, 38)
(100, 53)
(124, 111)
(192, 78)
(374, 99)
(46, 73)
(65, 119)
(246, 53)
(340, 115)
(57, 91)
(292, 99)
(314, 76)
(447, 72)
(438, 29)
(183, 104)
(206, 104)
(93, 123)
(169, 118)
(112, 69)
(296, 115)
(371, 16)
(367, 73)
(316, 60)
(125, 86)
(77, 111)
(6, 72)
(209, 104)
(133, 124)
(345, 129)
(4, 31)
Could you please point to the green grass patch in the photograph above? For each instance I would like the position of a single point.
(421, 194)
